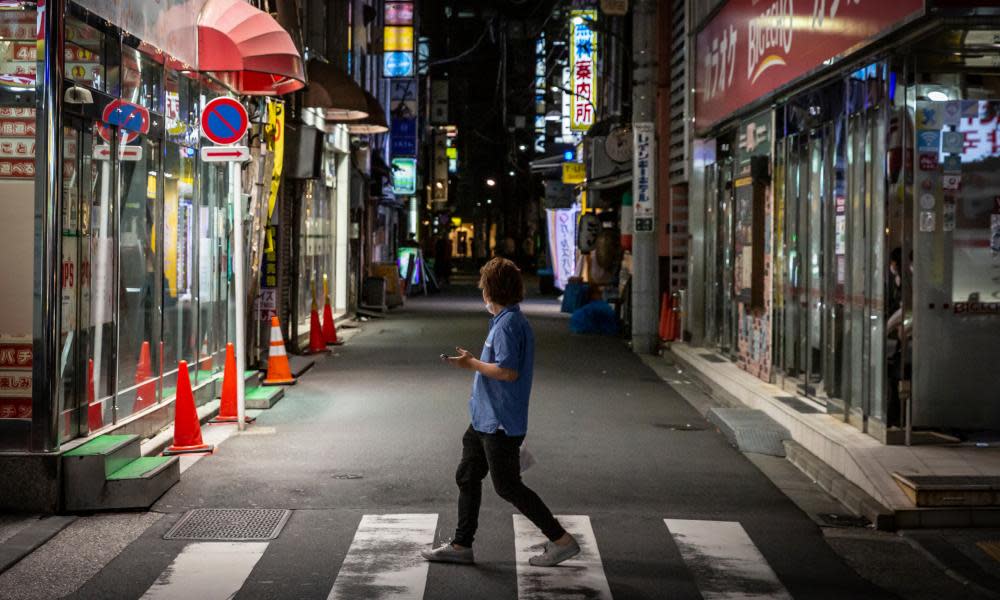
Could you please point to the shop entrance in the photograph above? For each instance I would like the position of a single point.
(720, 303)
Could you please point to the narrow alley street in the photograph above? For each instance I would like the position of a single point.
(376, 430)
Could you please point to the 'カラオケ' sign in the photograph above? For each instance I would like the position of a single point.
(752, 47)
(224, 121)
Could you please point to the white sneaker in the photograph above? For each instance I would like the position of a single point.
(555, 554)
(449, 553)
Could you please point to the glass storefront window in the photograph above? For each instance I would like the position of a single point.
(140, 289)
(213, 266)
(142, 80)
(17, 193)
(316, 254)
(85, 55)
(181, 109)
(179, 262)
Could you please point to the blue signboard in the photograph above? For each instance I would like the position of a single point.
(397, 64)
(403, 146)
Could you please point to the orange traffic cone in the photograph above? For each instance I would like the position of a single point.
(228, 411)
(666, 310)
(95, 417)
(329, 327)
(278, 370)
(145, 396)
(187, 429)
(317, 343)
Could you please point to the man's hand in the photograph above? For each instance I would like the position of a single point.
(465, 360)
(462, 361)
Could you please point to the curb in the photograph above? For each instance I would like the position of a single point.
(838, 486)
(31, 538)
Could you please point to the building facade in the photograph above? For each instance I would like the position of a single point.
(841, 180)
(118, 235)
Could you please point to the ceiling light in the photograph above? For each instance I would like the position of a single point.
(937, 96)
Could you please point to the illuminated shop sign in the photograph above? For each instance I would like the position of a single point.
(397, 40)
(583, 69)
(752, 47)
(404, 176)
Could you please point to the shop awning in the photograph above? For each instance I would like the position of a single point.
(247, 49)
(333, 90)
(375, 121)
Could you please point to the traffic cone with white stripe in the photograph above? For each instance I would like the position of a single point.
(279, 372)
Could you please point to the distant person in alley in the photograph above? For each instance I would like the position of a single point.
(499, 410)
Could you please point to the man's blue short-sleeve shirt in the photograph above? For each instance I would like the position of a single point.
(494, 403)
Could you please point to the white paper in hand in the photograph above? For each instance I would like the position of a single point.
(527, 458)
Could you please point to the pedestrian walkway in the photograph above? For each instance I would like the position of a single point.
(862, 460)
(382, 561)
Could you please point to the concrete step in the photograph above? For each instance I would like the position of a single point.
(86, 467)
(949, 490)
(263, 398)
(109, 473)
(140, 483)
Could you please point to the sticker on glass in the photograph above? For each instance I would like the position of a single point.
(948, 215)
(952, 164)
(928, 140)
(952, 142)
(927, 221)
(951, 182)
(951, 114)
(928, 161)
(927, 201)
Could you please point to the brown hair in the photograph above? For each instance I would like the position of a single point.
(501, 280)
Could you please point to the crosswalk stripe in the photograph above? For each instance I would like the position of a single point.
(724, 561)
(207, 571)
(384, 558)
(578, 577)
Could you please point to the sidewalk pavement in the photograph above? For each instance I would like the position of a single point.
(862, 460)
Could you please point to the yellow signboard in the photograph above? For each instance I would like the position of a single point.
(398, 39)
(574, 173)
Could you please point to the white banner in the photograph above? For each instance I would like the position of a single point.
(562, 243)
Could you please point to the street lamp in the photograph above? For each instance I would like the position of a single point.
(491, 182)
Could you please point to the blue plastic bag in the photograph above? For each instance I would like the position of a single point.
(596, 317)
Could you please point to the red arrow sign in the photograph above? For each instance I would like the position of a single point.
(225, 154)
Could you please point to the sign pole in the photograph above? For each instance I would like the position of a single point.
(241, 297)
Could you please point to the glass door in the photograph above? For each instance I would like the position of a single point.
(86, 322)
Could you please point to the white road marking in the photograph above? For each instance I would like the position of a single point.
(578, 577)
(725, 562)
(207, 571)
(384, 558)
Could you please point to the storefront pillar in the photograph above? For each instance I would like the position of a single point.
(48, 235)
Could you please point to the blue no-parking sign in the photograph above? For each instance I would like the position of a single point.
(224, 121)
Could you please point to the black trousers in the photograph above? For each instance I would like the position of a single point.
(500, 456)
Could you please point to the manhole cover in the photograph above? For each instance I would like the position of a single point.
(679, 426)
(348, 476)
(230, 524)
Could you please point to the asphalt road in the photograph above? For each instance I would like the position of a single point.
(376, 430)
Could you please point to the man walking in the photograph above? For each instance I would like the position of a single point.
(499, 410)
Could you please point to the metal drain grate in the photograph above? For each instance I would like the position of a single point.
(230, 524)
(712, 358)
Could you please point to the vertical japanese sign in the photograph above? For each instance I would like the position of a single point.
(643, 176)
(583, 69)
(397, 41)
(562, 243)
